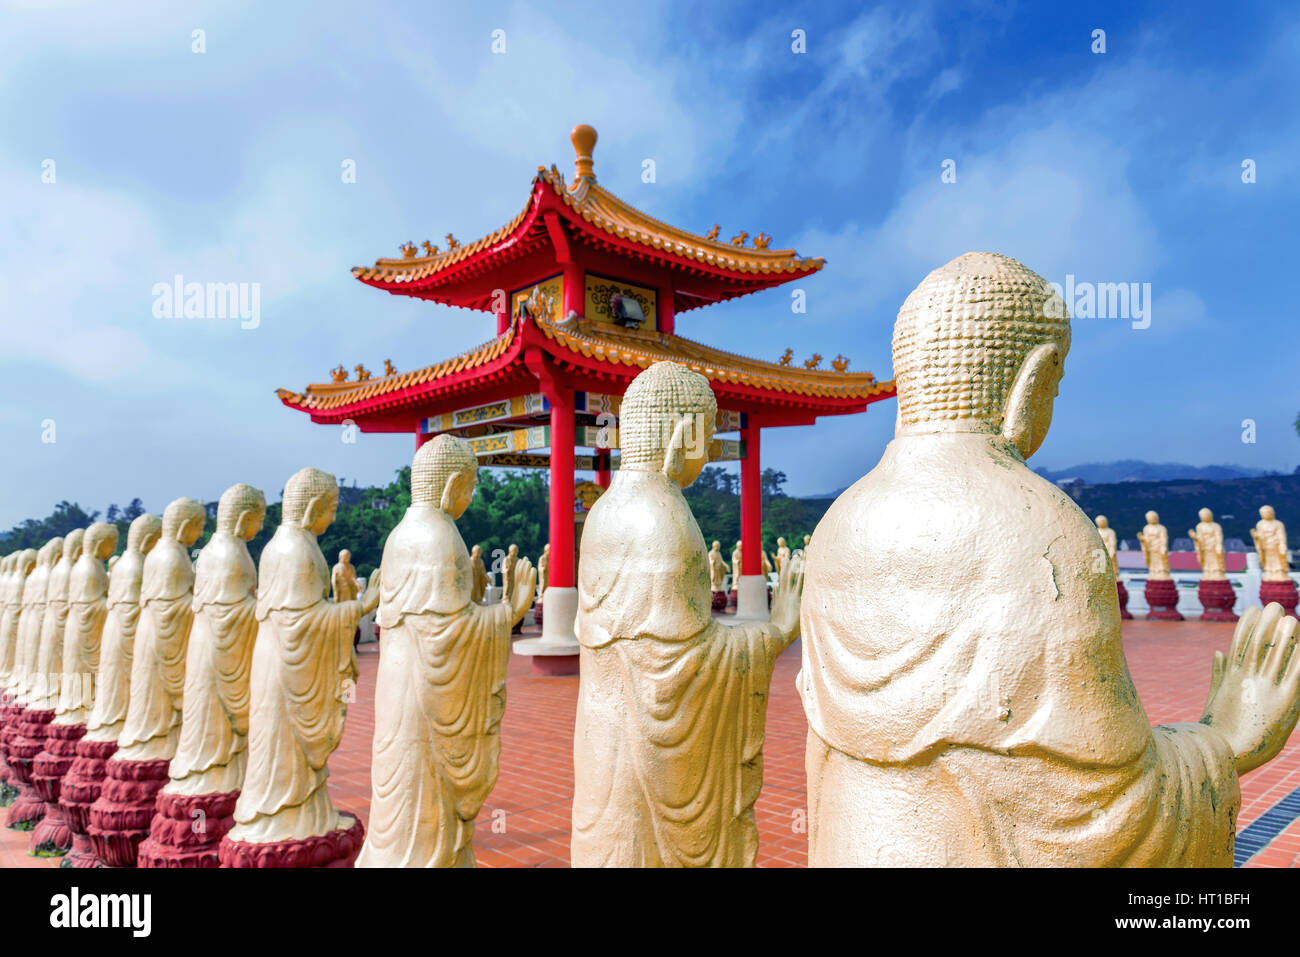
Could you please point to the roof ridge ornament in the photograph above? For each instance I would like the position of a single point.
(583, 138)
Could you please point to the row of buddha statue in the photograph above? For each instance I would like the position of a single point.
(1215, 592)
(967, 696)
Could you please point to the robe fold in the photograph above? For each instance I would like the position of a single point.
(10, 619)
(965, 685)
(211, 755)
(116, 644)
(671, 709)
(153, 716)
(29, 632)
(439, 699)
(87, 610)
(302, 671)
(43, 690)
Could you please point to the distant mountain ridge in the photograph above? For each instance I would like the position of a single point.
(1135, 470)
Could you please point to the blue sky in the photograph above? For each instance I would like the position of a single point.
(225, 167)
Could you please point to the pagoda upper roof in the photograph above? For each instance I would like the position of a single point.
(598, 347)
(597, 217)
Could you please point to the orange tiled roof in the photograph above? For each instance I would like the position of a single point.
(609, 214)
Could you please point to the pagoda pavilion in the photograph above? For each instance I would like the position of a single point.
(586, 291)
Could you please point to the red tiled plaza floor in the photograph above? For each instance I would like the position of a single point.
(526, 820)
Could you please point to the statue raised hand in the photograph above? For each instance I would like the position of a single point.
(523, 583)
(788, 596)
(1255, 689)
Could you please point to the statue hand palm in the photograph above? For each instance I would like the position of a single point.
(524, 582)
(370, 600)
(1255, 691)
(789, 595)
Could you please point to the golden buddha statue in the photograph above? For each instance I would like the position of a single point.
(1110, 541)
(478, 575)
(44, 690)
(1155, 547)
(208, 767)
(84, 781)
(1207, 536)
(671, 704)
(344, 578)
(303, 670)
(87, 606)
(718, 569)
(507, 572)
(967, 698)
(544, 568)
(1269, 536)
(440, 691)
(782, 554)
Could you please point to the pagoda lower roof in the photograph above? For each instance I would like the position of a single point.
(599, 218)
(599, 350)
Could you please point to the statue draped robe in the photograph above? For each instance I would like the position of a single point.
(87, 610)
(1209, 545)
(668, 743)
(1271, 546)
(9, 620)
(44, 687)
(153, 716)
(439, 698)
(968, 702)
(303, 667)
(211, 754)
(29, 632)
(113, 683)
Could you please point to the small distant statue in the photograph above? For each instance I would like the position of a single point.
(782, 555)
(671, 704)
(786, 358)
(409, 250)
(507, 572)
(762, 240)
(429, 248)
(814, 362)
(479, 584)
(389, 368)
(718, 569)
(1109, 541)
(713, 233)
(441, 687)
(452, 242)
(1269, 536)
(840, 364)
(1155, 547)
(1207, 536)
(343, 578)
(544, 569)
(362, 373)
(339, 374)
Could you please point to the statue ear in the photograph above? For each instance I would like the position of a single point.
(1035, 386)
(675, 454)
(313, 511)
(450, 491)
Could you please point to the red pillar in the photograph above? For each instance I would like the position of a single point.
(667, 310)
(561, 506)
(751, 503)
(503, 316)
(602, 469)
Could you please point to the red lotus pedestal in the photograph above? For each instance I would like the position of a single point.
(27, 742)
(187, 830)
(10, 714)
(1162, 600)
(80, 789)
(1124, 613)
(1284, 593)
(719, 601)
(339, 848)
(1217, 597)
(537, 614)
(52, 837)
(120, 818)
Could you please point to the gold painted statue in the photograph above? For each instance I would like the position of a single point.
(1207, 536)
(1155, 548)
(440, 691)
(1110, 541)
(969, 704)
(211, 754)
(782, 554)
(303, 671)
(738, 552)
(117, 643)
(87, 613)
(44, 688)
(717, 568)
(671, 705)
(1270, 542)
(344, 578)
(508, 572)
(479, 582)
(153, 716)
(544, 568)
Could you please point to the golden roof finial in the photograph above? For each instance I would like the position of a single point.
(840, 363)
(761, 241)
(362, 373)
(712, 233)
(429, 248)
(583, 138)
(339, 374)
(740, 239)
(389, 368)
(409, 250)
(786, 357)
(452, 242)
(814, 362)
